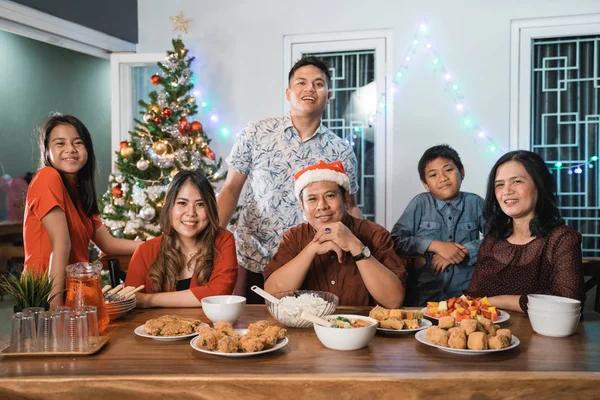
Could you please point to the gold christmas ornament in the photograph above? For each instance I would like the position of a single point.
(160, 148)
(127, 151)
(155, 109)
(191, 100)
(198, 140)
(180, 22)
(174, 172)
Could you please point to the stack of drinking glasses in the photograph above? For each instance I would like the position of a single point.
(60, 330)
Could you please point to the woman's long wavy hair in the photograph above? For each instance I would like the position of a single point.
(85, 176)
(169, 263)
(546, 216)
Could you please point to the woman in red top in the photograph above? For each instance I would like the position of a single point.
(527, 246)
(194, 258)
(61, 214)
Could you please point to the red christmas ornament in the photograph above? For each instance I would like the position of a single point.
(209, 153)
(156, 120)
(117, 192)
(196, 126)
(155, 79)
(123, 144)
(183, 125)
(166, 112)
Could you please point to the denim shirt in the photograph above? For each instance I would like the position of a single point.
(426, 219)
(270, 152)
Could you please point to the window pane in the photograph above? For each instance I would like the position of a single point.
(565, 127)
(350, 114)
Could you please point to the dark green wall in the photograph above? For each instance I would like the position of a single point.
(38, 78)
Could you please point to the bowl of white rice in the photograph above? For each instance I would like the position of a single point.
(292, 303)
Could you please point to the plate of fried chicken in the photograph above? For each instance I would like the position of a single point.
(223, 340)
(169, 328)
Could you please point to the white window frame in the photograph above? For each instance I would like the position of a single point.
(37, 25)
(121, 94)
(381, 40)
(522, 34)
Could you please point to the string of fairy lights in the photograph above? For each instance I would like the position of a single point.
(422, 41)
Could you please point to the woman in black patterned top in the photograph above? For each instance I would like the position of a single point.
(527, 246)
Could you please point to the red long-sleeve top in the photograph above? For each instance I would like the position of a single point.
(222, 279)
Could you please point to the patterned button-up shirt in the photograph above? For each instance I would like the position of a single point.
(426, 219)
(270, 152)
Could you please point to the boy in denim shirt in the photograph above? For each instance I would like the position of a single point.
(444, 225)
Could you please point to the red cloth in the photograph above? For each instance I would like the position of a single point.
(548, 265)
(45, 192)
(327, 274)
(222, 279)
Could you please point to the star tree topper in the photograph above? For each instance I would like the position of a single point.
(180, 22)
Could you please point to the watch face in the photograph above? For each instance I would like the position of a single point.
(366, 252)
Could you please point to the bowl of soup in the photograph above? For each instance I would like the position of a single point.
(351, 332)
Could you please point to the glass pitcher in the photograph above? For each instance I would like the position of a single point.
(83, 289)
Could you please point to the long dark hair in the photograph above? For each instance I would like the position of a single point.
(86, 175)
(546, 216)
(168, 264)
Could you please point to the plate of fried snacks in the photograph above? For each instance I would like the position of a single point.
(223, 340)
(398, 321)
(465, 307)
(471, 337)
(169, 327)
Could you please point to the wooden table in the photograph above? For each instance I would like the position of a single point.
(390, 367)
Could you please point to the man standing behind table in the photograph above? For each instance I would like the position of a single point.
(267, 153)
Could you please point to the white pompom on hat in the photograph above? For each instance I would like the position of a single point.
(321, 171)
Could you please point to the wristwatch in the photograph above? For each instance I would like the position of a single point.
(365, 252)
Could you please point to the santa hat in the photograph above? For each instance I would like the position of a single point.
(321, 171)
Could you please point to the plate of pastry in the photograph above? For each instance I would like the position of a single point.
(169, 328)
(223, 340)
(398, 321)
(457, 341)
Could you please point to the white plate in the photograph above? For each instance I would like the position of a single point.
(424, 324)
(420, 336)
(140, 332)
(241, 332)
(502, 317)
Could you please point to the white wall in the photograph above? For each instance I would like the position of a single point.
(239, 50)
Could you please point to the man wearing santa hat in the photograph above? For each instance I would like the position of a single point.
(336, 252)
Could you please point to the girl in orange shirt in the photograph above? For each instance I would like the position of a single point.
(61, 214)
(194, 257)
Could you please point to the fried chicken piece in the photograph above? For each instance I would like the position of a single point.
(504, 332)
(207, 341)
(251, 344)
(268, 340)
(225, 328)
(257, 327)
(177, 328)
(458, 339)
(437, 336)
(446, 322)
(477, 341)
(468, 325)
(277, 331)
(379, 313)
(498, 342)
(154, 326)
(228, 344)
(488, 325)
(455, 329)
(392, 323)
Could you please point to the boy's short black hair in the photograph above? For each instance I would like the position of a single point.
(311, 60)
(439, 151)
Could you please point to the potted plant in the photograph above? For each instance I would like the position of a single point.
(32, 289)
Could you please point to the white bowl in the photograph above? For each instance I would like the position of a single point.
(223, 308)
(555, 302)
(551, 310)
(346, 339)
(548, 324)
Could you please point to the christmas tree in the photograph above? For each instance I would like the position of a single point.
(163, 142)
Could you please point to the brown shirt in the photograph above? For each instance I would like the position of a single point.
(546, 265)
(327, 274)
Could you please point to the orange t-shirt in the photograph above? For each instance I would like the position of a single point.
(222, 279)
(45, 192)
